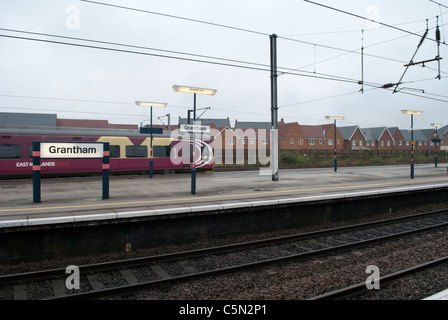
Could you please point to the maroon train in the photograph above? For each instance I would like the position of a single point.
(129, 152)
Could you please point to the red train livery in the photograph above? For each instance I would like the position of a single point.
(129, 151)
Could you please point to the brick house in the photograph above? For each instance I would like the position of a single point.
(290, 136)
(399, 139)
(443, 135)
(97, 124)
(217, 122)
(422, 139)
(254, 133)
(354, 139)
(378, 138)
(321, 137)
(226, 145)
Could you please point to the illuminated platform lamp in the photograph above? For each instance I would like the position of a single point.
(150, 130)
(412, 113)
(194, 90)
(436, 140)
(335, 156)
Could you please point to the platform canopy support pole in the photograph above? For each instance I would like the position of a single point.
(106, 167)
(274, 108)
(36, 172)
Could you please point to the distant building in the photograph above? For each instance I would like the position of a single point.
(378, 138)
(28, 119)
(422, 139)
(354, 139)
(290, 136)
(97, 124)
(252, 125)
(254, 135)
(51, 121)
(216, 122)
(443, 135)
(322, 137)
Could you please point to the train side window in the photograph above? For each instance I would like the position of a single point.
(136, 151)
(10, 151)
(114, 151)
(161, 151)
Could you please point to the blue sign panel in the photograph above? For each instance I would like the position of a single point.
(151, 130)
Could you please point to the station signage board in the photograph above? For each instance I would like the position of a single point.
(87, 150)
(70, 150)
(151, 130)
(194, 128)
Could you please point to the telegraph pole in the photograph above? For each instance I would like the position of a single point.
(274, 109)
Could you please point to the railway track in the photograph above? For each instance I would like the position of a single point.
(359, 289)
(128, 276)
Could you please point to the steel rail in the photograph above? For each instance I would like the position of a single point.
(107, 266)
(135, 262)
(127, 289)
(361, 288)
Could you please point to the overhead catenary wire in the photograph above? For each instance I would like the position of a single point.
(176, 17)
(235, 63)
(251, 66)
(367, 19)
(179, 52)
(375, 85)
(370, 55)
(258, 32)
(418, 47)
(232, 28)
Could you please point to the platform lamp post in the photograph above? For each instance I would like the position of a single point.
(150, 104)
(335, 153)
(412, 113)
(436, 125)
(194, 90)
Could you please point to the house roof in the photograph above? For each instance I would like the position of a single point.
(97, 124)
(243, 134)
(419, 135)
(443, 130)
(285, 128)
(44, 120)
(207, 121)
(348, 132)
(28, 119)
(251, 124)
(315, 132)
(373, 134)
(220, 130)
(392, 130)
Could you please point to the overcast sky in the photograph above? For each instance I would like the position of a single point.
(81, 82)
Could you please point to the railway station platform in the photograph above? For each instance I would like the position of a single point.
(79, 198)
(443, 295)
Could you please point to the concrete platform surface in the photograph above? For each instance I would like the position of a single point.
(138, 193)
(443, 295)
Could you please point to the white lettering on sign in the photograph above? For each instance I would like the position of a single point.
(30, 164)
(71, 150)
